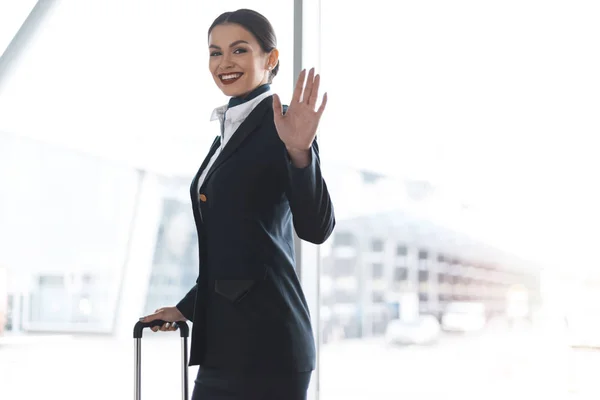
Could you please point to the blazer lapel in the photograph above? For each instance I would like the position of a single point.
(194, 188)
(245, 129)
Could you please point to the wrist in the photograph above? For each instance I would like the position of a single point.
(295, 150)
(300, 157)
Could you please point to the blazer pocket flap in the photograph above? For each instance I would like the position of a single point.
(234, 289)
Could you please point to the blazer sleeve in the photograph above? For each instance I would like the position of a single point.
(309, 199)
(186, 305)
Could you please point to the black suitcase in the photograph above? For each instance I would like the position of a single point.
(137, 336)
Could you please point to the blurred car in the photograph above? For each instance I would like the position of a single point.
(422, 330)
(464, 317)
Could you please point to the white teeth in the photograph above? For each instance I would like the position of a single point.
(230, 76)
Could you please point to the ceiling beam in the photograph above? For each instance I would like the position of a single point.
(23, 36)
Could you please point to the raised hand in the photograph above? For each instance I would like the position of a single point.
(298, 127)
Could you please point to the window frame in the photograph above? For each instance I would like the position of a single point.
(307, 54)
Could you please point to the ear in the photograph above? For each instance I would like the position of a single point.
(273, 59)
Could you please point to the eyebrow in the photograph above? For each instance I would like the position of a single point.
(214, 46)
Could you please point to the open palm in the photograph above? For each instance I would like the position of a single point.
(298, 127)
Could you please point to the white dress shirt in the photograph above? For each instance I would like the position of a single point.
(230, 120)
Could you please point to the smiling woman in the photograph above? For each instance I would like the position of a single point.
(243, 53)
(252, 333)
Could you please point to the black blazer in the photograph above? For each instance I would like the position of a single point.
(247, 307)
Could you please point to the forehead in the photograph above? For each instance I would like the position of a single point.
(223, 35)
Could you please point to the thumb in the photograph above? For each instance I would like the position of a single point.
(277, 108)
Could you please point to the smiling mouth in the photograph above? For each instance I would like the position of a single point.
(228, 79)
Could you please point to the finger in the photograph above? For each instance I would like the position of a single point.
(299, 86)
(169, 327)
(314, 95)
(309, 86)
(154, 329)
(151, 317)
(323, 104)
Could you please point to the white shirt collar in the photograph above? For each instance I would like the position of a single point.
(218, 113)
(239, 112)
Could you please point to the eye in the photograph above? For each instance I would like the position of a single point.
(240, 51)
(215, 53)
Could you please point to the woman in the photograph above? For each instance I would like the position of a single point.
(252, 333)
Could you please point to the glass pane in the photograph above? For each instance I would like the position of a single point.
(463, 262)
(105, 118)
(65, 223)
(479, 322)
(175, 260)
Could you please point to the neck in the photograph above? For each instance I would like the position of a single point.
(235, 101)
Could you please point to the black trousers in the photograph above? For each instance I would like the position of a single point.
(213, 384)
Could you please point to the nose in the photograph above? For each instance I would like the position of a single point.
(226, 62)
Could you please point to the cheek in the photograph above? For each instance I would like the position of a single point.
(212, 66)
(245, 63)
(252, 64)
(257, 70)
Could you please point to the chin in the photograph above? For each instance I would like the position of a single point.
(231, 92)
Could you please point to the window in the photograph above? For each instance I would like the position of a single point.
(378, 297)
(51, 280)
(422, 261)
(426, 225)
(401, 250)
(400, 274)
(344, 267)
(377, 271)
(89, 141)
(441, 278)
(343, 296)
(377, 245)
(343, 239)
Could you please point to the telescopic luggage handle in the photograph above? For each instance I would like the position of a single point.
(138, 330)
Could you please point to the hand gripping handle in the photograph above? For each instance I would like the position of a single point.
(139, 327)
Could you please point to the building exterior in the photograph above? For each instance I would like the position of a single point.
(376, 261)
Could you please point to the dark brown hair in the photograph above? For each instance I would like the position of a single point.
(257, 25)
